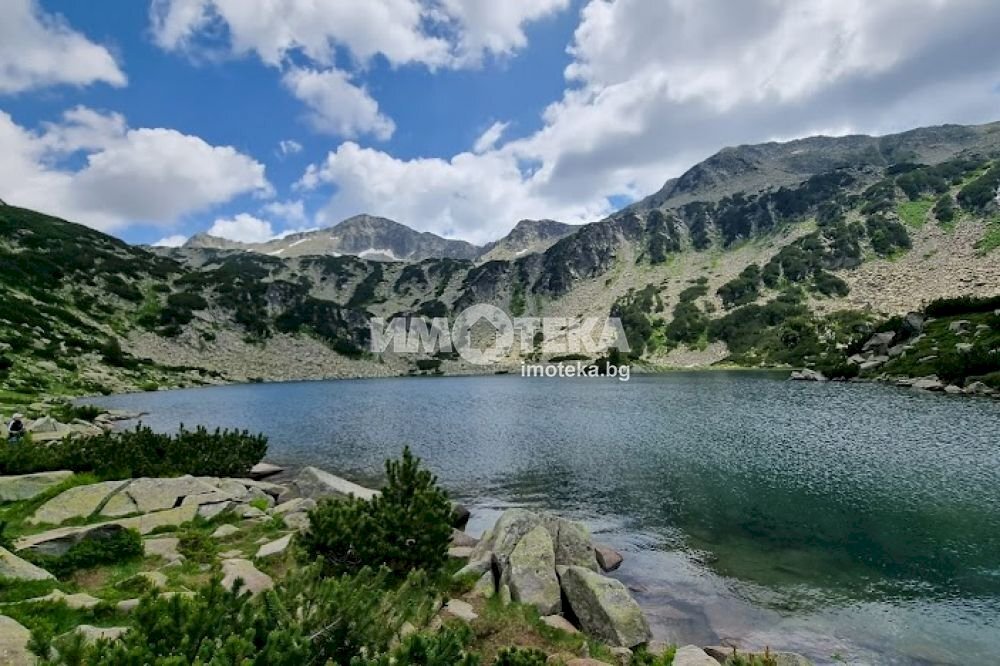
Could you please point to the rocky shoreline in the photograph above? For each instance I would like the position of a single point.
(540, 560)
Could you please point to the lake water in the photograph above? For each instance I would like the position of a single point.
(844, 521)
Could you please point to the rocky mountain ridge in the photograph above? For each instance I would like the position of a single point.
(380, 239)
(780, 275)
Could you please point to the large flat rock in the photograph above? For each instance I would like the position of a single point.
(156, 494)
(14, 568)
(27, 486)
(254, 580)
(14, 643)
(78, 502)
(315, 483)
(144, 524)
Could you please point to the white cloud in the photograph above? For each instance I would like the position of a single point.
(451, 33)
(475, 197)
(656, 85)
(488, 139)
(128, 176)
(39, 49)
(488, 26)
(171, 241)
(289, 211)
(244, 228)
(289, 147)
(336, 105)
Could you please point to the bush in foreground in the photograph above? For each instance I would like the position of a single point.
(141, 452)
(306, 619)
(407, 527)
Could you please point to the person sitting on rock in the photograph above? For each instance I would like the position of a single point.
(15, 429)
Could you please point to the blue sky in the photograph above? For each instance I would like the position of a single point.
(154, 120)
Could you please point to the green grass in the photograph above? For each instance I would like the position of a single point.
(991, 239)
(914, 213)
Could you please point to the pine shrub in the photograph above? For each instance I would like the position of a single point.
(407, 527)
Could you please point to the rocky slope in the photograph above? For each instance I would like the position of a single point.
(782, 256)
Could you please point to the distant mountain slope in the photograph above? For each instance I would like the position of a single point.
(364, 236)
(790, 273)
(527, 237)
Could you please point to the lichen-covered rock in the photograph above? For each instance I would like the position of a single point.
(156, 494)
(530, 572)
(254, 580)
(512, 525)
(78, 502)
(560, 623)
(604, 607)
(294, 505)
(225, 531)
(274, 548)
(13, 567)
(26, 486)
(460, 609)
(14, 643)
(165, 547)
(485, 587)
(572, 542)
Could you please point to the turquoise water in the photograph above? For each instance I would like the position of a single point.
(847, 521)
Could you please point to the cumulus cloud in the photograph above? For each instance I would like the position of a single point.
(39, 49)
(488, 139)
(244, 228)
(449, 33)
(293, 212)
(469, 196)
(336, 105)
(657, 85)
(175, 240)
(127, 176)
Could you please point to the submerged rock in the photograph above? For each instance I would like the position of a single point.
(721, 653)
(604, 607)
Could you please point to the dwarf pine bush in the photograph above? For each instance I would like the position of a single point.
(142, 452)
(407, 527)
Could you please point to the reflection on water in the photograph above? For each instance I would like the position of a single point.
(855, 520)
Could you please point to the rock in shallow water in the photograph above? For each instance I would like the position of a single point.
(604, 607)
